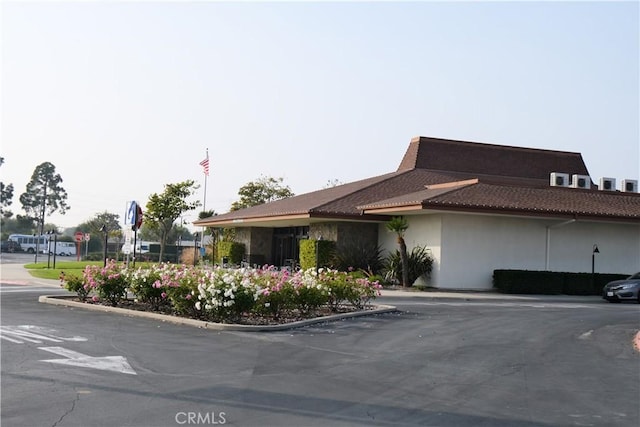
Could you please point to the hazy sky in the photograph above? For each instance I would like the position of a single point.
(124, 97)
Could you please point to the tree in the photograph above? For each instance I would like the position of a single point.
(94, 226)
(399, 225)
(262, 190)
(6, 196)
(44, 194)
(163, 209)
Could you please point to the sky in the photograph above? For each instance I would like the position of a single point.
(125, 97)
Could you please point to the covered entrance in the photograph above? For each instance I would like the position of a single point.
(286, 245)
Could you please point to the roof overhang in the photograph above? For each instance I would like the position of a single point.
(296, 220)
(501, 212)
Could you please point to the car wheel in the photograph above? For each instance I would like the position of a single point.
(30, 250)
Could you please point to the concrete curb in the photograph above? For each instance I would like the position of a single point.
(64, 301)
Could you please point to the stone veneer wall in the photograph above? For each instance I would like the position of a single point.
(343, 232)
(257, 242)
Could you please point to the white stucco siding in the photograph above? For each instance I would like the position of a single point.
(475, 245)
(467, 248)
(571, 247)
(424, 230)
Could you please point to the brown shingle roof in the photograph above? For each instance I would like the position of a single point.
(510, 178)
(489, 159)
(503, 198)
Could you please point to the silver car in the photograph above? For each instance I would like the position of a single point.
(623, 290)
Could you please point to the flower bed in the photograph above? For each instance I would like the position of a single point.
(247, 296)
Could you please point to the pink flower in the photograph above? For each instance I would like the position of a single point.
(94, 298)
(163, 295)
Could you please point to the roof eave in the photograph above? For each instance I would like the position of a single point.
(488, 210)
(287, 220)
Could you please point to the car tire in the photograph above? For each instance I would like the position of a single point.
(30, 251)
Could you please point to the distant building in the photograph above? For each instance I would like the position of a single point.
(478, 207)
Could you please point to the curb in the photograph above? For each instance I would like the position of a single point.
(63, 301)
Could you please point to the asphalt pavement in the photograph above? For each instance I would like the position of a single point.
(458, 359)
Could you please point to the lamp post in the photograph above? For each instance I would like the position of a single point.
(318, 240)
(55, 246)
(593, 265)
(195, 248)
(179, 249)
(49, 233)
(106, 236)
(35, 240)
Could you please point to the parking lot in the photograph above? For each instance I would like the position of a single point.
(436, 362)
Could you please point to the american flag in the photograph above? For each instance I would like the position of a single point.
(205, 165)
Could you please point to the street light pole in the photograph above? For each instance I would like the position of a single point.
(106, 236)
(318, 240)
(195, 248)
(593, 265)
(49, 233)
(55, 247)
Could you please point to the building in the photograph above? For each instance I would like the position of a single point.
(478, 207)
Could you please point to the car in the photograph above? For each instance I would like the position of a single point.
(10, 246)
(623, 290)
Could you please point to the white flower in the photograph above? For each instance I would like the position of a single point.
(198, 305)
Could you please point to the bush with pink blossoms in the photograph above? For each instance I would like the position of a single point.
(226, 295)
(109, 282)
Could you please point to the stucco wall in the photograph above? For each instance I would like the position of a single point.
(467, 248)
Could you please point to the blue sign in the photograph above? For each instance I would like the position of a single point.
(130, 215)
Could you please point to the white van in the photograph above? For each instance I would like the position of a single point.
(61, 248)
(141, 247)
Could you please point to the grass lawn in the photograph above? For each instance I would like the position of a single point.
(75, 268)
(41, 271)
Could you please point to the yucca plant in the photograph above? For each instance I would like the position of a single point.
(399, 225)
(419, 262)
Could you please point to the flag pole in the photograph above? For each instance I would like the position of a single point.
(206, 175)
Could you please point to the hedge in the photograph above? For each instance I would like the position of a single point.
(308, 253)
(232, 251)
(551, 283)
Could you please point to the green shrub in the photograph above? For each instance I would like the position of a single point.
(308, 253)
(357, 255)
(232, 251)
(109, 282)
(420, 263)
(75, 283)
(145, 283)
(551, 283)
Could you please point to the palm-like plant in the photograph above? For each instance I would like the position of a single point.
(399, 225)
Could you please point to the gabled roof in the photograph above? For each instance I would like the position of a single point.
(505, 179)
